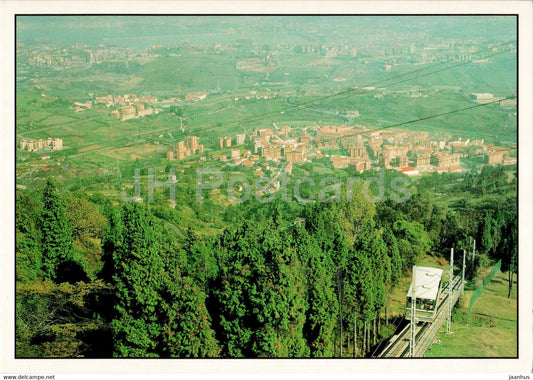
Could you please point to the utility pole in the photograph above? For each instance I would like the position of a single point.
(413, 315)
(463, 278)
(450, 293)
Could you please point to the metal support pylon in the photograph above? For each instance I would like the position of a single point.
(412, 342)
(450, 294)
(463, 278)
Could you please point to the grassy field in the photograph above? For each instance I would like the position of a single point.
(492, 329)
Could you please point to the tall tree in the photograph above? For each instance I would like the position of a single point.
(56, 231)
(284, 309)
(508, 250)
(111, 242)
(187, 331)
(87, 223)
(486, 235)
(360, 293)
(434, 228)
(319, 328)
(498, 223)
(354, 212)
(200, 260)
(240, 266)
(368, 271)
(394, 255)
(413, 241)
(28, 253)
(260, 293)
(452, 233)
(139, 276)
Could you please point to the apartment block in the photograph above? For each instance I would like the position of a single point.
(224, 142)
(241, 138)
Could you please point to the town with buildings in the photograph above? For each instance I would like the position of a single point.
(411, 153)
(123, 107)
(349, 137)
(370, 50)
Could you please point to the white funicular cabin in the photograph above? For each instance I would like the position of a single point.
(428, 283)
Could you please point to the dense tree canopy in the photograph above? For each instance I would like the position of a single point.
(276, 280)
(56, 232)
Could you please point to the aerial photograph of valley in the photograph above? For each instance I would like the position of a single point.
(266, 186)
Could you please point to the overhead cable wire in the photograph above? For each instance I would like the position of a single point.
(358, 90)
(438, 115)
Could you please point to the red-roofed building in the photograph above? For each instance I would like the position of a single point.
(410, 171)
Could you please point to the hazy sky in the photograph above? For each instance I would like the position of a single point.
(147, 30)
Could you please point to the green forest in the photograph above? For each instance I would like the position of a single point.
(100, 278)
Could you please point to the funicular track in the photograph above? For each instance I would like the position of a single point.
(398, 344)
